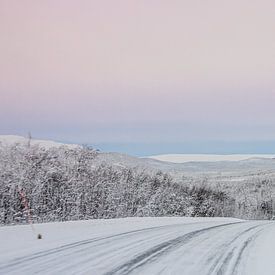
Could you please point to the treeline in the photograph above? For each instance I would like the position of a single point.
(255, 198)
(61, 184)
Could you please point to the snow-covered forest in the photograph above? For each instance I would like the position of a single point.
(63, 183)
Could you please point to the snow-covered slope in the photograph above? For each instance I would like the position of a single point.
(196, 246)
(181, 158)
(7, 140)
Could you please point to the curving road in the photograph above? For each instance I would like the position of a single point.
(202, 248)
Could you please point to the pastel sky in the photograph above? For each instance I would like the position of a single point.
(138, 71)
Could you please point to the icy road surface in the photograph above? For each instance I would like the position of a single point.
(141, 246)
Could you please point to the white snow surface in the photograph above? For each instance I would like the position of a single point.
(181, 158)
(8, 140)
(168, 245)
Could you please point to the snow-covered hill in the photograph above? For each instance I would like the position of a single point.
(7, 140)
(185, 246)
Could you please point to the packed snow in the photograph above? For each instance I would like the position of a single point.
(182, 158)
(196, 246)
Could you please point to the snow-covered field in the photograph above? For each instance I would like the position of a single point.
(181, 158)
(140, 246)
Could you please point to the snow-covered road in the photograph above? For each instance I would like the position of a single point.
(141, 246)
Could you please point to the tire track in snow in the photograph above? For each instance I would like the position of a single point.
(235, 255)
(43, 257)
(220, 249)
(63, 248)
(228, 254)
(162, 249)
(100, 252)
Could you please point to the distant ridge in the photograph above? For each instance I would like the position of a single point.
(182, 158)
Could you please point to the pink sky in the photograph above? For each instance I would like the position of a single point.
(205, 66)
